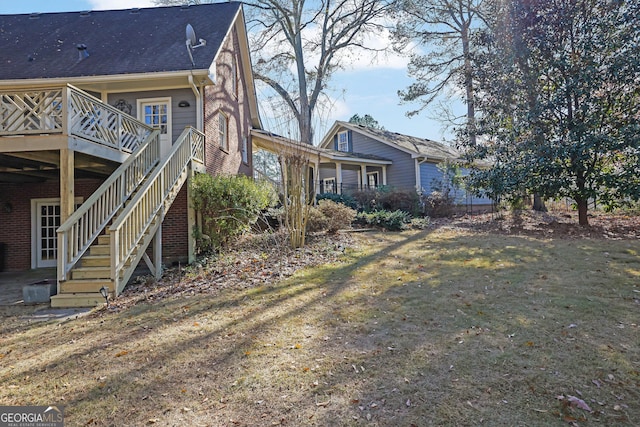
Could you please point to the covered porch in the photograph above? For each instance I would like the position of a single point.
(331, 171)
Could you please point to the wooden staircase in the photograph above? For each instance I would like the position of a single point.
(107, 254)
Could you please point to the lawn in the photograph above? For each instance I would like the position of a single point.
(444, 326)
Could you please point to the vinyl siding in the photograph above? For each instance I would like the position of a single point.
(181, 116)
(430, 175)
(401, 174)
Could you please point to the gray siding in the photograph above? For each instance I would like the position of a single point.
(430, 174)
(181, 116)
(401, 174)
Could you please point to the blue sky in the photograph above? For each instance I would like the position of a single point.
(364, 89)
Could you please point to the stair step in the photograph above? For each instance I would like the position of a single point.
(104, 239)
(99, 249)
(91, 273)
(85, 285)
(96, 260)
(82, 299)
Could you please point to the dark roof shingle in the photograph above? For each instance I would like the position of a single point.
(118, 41)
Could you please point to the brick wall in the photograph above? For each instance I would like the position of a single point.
(175, 231)
(15, 227)
(221, 97)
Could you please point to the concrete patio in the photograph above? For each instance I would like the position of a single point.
(11, 283)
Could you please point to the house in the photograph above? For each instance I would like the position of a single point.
(405, 162)
(104, 117)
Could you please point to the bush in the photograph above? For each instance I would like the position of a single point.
(392, 221)
(317, 221)
(229, 206)
(387, 199)
(339, 198)
(330, 216)
(403, 200)
(438, 205)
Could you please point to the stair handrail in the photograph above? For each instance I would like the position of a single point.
(151, 201)
(81, 229)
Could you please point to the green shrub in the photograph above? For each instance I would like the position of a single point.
(388, 199)
(338, 198)
(403, 200)
(229, 205)
(393, 221)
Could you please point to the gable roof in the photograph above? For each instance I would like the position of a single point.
(148, 40)
(417, 147)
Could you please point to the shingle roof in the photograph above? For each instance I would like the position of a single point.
(425, 147)
(118, 41)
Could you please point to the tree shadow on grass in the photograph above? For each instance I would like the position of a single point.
(421, 329)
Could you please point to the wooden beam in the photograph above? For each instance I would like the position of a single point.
(67, 184)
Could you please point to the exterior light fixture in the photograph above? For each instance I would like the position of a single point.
(104, 291)
(184, 104)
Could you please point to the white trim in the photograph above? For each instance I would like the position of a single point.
(35, 230)
(343, 146)
(166, 140)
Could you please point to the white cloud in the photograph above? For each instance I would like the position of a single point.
(120, 4)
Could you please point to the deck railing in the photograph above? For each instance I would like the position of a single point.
(132, 230)
(68, 110)
(81, 229)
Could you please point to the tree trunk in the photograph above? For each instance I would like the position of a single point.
(583, 219)
(538, 203)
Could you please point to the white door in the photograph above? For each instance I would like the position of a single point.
(156, 112)
(45, 218)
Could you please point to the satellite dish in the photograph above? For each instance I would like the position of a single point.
(191, 42)
(191, 35)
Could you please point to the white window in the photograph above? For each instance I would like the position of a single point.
(343, 141)
(329, 185)
(223, 131)
(372, 179)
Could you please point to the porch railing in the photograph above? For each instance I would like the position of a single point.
(134, 227)
(81, 229)
(68, 110)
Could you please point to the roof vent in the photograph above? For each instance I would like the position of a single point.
(34, 15)
(85, 13)
(82, 51)
(135, 11)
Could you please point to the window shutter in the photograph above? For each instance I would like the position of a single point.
(335, 142)
(350, 141)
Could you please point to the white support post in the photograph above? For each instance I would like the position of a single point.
(339, 178)
(363, 174)
(384, 174)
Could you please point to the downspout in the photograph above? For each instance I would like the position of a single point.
(199, 113)
(418, 181)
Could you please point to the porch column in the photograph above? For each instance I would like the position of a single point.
(339, 177)
(363, 176)
(384, 174)
(67, 184)
(417, 168)
(316, 178)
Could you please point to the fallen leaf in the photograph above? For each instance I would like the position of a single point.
(122, 353)
(579, 403)
(408, 403)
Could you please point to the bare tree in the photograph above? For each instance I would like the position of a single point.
(444, 29)
(297, 45)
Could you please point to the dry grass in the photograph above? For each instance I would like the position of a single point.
(438, 327)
